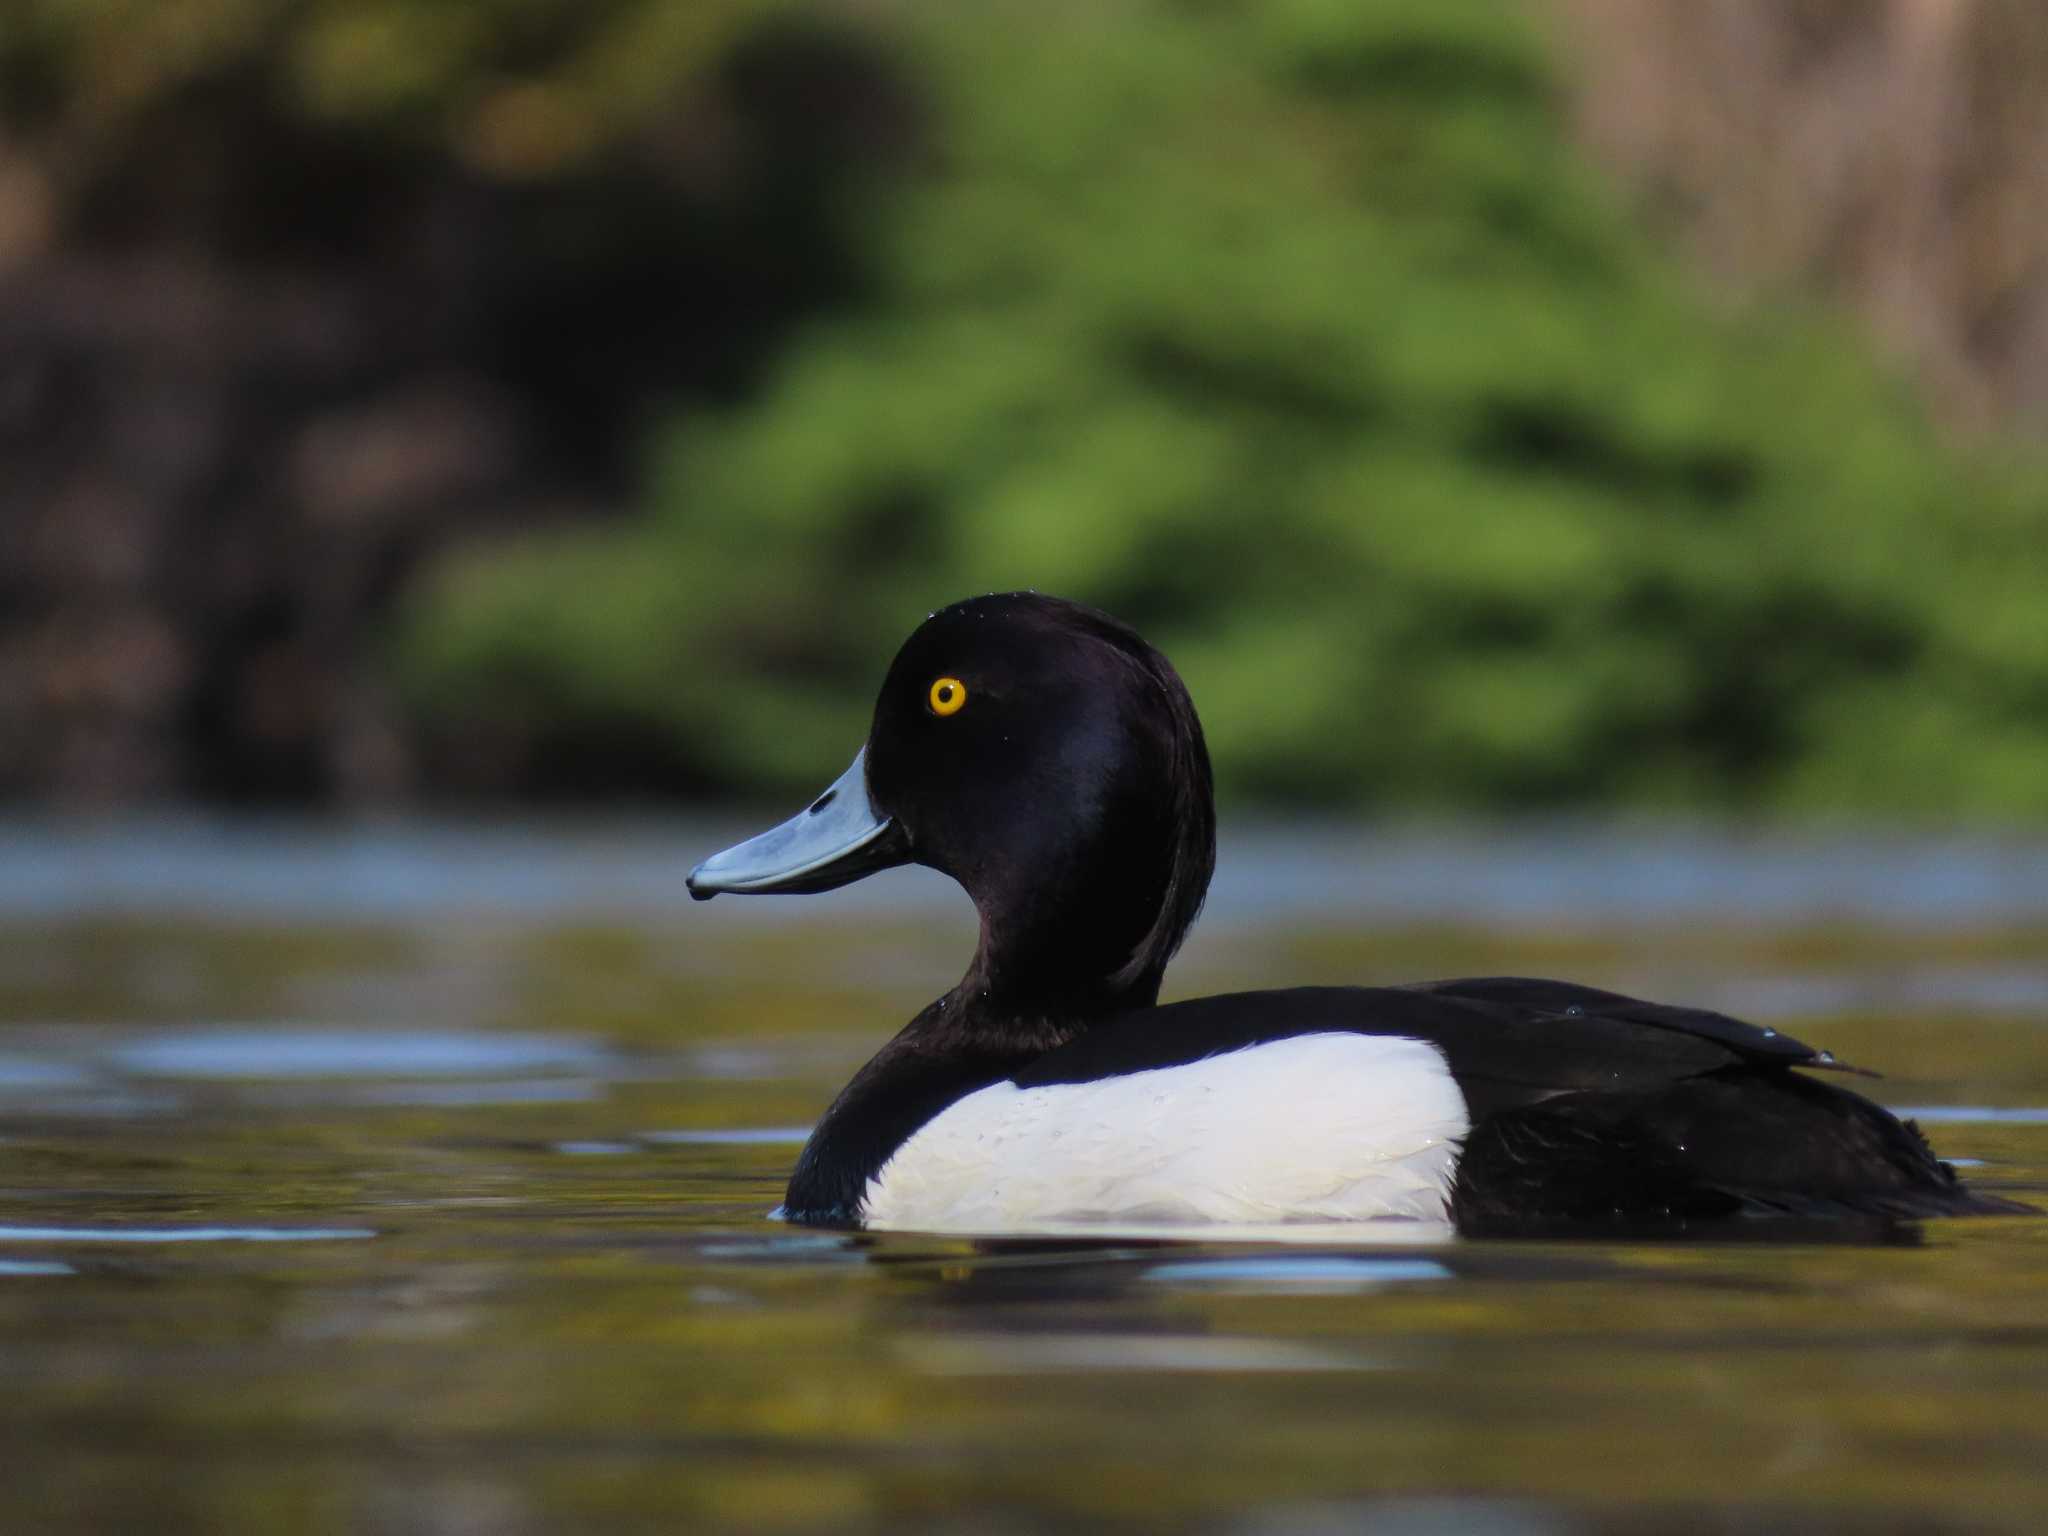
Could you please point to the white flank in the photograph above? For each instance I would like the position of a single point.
(1336, 1127)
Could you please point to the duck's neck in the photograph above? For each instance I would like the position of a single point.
(1072, 950)
(1078, 923)
(1057, 955)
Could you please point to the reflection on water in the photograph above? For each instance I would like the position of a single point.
(419, 1183)
(1292, 1272)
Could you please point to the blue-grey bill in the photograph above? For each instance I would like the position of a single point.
(838, 839)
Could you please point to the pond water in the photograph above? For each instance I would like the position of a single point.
(417, 1180)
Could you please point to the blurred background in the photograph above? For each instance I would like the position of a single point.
(1584, 403)
(463, 461)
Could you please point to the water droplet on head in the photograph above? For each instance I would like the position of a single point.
(1770, 1034)
(1827, 1056)
(1573, 1010)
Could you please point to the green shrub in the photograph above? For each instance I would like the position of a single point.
(1299, 336)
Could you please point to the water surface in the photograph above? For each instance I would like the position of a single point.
(418, 1182)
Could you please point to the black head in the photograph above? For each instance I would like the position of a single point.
(1048, 759)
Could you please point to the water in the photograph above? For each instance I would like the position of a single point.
(419, 1183)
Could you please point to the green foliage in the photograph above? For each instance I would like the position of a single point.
(1297, 335)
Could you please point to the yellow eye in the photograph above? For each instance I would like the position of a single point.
(946, 696)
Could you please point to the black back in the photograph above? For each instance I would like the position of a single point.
(1508, 1040)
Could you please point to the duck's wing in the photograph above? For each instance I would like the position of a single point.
(1508, 1041)
(1581, 1029)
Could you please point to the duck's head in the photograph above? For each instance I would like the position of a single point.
(1048, 759)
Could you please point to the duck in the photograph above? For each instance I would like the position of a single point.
(1046, 758)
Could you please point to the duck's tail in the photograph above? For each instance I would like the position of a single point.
(1705, 1153)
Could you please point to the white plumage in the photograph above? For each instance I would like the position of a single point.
(1332, 1127)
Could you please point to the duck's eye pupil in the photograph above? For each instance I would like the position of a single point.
(947, 695)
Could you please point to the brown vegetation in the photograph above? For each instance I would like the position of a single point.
(258, 361)
(1892, 152)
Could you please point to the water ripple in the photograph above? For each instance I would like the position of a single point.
(1042, 1354)
(742, 1136)
(182, 1234)
(1974, 1114)
(289, 1050)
